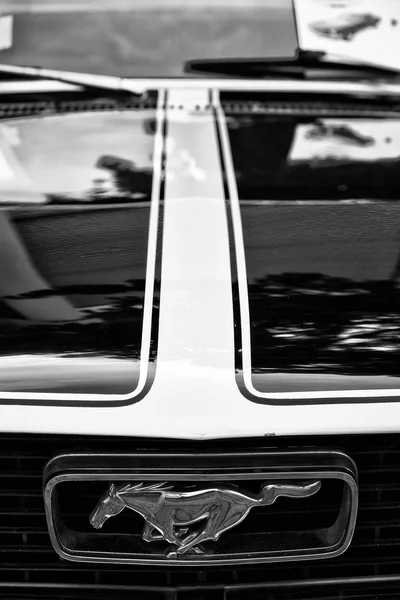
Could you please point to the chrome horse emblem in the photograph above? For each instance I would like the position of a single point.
(170, 515)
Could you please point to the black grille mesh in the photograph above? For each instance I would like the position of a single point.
(29, 567)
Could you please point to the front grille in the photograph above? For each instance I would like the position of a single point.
(30, 568)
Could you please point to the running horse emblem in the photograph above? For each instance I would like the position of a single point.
(170, 515)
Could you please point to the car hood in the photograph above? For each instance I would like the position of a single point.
(175, 261)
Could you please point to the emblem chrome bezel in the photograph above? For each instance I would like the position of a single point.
(205, 468)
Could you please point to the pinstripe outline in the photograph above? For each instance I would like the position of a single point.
(146, 377)
(244, 379)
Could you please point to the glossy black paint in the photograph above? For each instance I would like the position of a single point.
(297, 157)
(74, 221)
(322, 267)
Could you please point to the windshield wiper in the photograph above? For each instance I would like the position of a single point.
(85, 80)
(307, 65)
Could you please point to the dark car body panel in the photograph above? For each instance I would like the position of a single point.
(320, 227)
(74, 254)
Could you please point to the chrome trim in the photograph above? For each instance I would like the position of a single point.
(219, 509)
(28, 87)
(284, 468)
(106, 82)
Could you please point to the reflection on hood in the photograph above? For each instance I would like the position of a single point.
(87, 157)
(276, 158)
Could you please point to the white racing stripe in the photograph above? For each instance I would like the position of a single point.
(152, 243)
(195, 365)
(239, 249)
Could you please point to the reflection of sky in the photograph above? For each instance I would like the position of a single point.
(58, 154)
(385, 144)
(312, 382)
(50, 371)
(378, 45)
(7, 175)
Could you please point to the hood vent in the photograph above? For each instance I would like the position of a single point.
(15, 110)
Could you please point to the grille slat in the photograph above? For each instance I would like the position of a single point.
(30, 568)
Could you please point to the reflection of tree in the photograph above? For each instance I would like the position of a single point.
(317, 323)
(128, 183)
(260, 147)
(115, 331)
(128, 179)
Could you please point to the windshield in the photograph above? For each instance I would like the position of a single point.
(142, 38)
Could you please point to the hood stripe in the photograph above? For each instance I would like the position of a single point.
(148, 312)
(196, 341)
